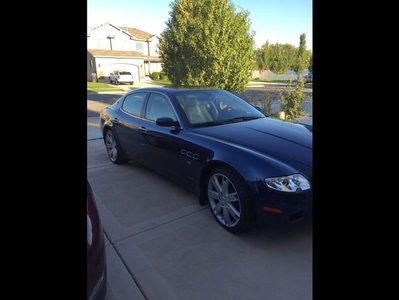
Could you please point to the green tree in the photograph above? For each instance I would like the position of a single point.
(310, 66)
(262, 56)
(206, 43)
(303, 57)
(280, 58)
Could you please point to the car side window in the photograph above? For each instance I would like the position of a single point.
(159, 106)
(133, 103)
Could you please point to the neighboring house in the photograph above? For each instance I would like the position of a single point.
(110, 48)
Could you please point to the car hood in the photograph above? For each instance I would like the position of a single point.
(271, 137)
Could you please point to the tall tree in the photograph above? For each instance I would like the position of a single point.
(301, 59)
(262, 56)
(206, 43)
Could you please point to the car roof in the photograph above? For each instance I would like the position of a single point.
(170, 90)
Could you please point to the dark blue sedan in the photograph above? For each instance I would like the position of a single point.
(251, 169)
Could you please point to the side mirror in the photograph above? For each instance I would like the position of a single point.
(166, 122)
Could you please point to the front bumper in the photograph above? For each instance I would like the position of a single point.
(274, 208)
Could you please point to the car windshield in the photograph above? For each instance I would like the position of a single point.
(215, 107)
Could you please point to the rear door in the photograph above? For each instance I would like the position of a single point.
(127, 122)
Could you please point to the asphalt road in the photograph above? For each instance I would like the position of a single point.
(161, 244)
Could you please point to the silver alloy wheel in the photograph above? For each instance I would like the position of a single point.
(224, 200)
(111, 146)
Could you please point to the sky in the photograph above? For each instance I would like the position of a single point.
(275, 21)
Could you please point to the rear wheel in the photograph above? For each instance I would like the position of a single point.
(113, 149)
(229, 200)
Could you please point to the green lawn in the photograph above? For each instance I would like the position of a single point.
(102, 87)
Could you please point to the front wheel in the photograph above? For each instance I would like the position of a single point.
(229, 200)
(113, 149)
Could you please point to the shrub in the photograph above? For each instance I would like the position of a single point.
(292, 101)
(163, 76)
(155, 75)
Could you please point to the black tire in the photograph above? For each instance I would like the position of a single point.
(229, 201)
(113, 149)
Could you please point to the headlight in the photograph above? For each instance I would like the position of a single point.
(292, 183)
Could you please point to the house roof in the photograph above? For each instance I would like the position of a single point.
(139, 34)
(134, 33)
(120, 53)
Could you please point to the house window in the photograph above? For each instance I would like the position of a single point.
(91, 63)
(139, 47)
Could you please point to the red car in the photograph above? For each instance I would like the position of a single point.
(96, 256)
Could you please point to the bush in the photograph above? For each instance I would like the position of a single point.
(163, 76)
(155, 75)
(292, 101)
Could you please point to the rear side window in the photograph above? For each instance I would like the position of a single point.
(133, 103)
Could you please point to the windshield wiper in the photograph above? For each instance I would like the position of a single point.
(243, 118)
(205, 124)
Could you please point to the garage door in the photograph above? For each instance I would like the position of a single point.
(123, 67)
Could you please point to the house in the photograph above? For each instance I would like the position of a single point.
(110, 48)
